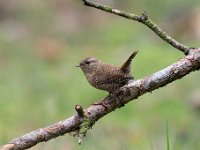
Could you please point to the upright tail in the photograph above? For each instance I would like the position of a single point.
(126, 66)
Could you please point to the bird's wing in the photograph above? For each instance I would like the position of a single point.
(110, 74)
(118, 79)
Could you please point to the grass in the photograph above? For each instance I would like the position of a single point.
(167, 136)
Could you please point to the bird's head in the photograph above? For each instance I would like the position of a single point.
(89, 65)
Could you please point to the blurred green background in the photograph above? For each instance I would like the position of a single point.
(42, 41)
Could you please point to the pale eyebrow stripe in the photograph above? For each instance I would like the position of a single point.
(91, 59)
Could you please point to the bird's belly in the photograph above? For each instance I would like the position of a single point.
(108, 87)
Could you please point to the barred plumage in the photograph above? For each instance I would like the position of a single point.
(105, 76)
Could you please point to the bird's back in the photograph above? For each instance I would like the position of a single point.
(109, 78)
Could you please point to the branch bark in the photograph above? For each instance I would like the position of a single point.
(129, 92)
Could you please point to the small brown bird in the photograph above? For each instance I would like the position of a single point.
(105, 76)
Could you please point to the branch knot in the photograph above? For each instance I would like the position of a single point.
(144, 17)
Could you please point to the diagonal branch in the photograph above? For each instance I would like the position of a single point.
(144, 20)
(127, 93)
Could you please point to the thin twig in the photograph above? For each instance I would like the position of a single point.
(144, 19)
(79, 110)
(127, 93)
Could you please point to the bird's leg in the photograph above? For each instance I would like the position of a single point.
(112, 96)
(119, 101)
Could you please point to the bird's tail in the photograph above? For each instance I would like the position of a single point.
(126, 66)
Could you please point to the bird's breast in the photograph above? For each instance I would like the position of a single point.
(91, 78)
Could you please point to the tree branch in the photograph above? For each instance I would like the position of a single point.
(144, 20)
(127, 93)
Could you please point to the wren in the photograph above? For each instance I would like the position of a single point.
(105, 76)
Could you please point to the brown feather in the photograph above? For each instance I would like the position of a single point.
(126, 66)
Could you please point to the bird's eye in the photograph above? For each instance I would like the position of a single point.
(87, 62)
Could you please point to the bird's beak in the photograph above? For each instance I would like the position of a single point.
(78, 65)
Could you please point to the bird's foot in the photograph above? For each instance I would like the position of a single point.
(119, 100)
